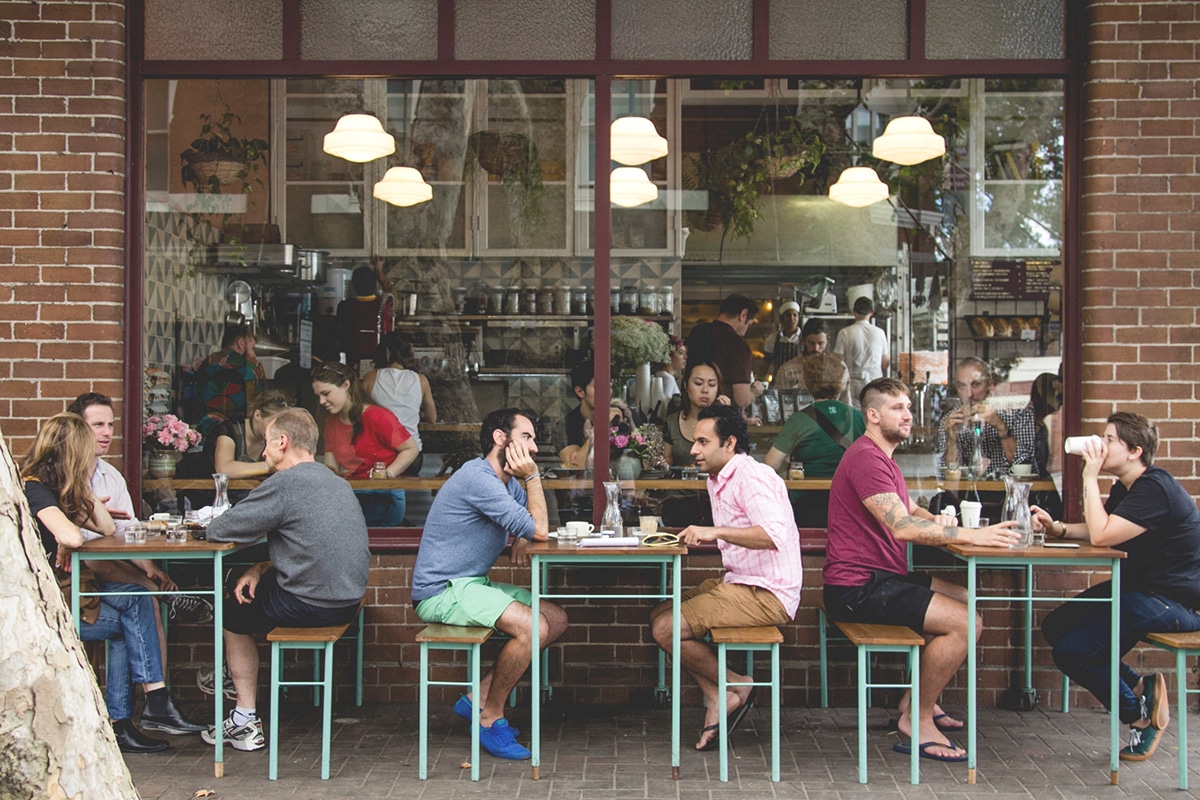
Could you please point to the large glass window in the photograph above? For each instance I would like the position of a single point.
(492, 281)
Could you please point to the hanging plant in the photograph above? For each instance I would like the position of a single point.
(513, 157)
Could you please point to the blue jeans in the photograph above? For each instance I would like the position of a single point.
(382, 508)
(128, 621)
(1079, 634)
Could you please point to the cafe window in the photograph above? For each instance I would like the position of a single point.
(493, 281)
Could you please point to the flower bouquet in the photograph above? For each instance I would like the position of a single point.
(645, 442)
(168, 432)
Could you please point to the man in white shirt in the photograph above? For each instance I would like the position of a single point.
(864, 347)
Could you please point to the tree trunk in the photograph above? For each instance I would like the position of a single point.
(55, 737)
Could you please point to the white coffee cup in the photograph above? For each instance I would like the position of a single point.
(578, 529)
(1022, 469)
(970, 513)
(1076, 444)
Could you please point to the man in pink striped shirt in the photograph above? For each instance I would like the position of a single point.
(760, 550)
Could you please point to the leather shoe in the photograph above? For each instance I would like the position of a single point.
(131, 740)
(171, 721)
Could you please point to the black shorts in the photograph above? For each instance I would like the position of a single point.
(273, 607)
(886, 599)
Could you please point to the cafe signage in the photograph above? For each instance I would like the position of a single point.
(1013, 279)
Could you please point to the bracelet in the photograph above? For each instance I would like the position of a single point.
(528, 478)
(1062, 531)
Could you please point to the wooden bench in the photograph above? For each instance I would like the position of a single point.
(454, 638)
(869, 638)
(1182, 645)
(750, 641)
(319, 640)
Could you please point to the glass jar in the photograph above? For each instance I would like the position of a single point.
(545, 301)
(629, 299)
(579, 301)
(648, 302)
(513, 302)
(562, 305)
(666, 300)
(530, 304)
(591, 303)
(496, 305)
(460, 299)
(614, 300)
(477, 299)
(379, 471)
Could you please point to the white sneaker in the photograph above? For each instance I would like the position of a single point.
(206, 684)
(240, 737)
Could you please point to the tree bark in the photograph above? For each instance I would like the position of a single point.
(55, 736)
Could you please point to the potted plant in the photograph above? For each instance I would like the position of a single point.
(216, 159)
(635, 345)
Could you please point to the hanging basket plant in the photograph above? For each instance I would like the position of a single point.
(218, 157)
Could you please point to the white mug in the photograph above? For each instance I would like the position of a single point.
(970, 513)
(580, 528)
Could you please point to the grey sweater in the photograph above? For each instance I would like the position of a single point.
(316, 536)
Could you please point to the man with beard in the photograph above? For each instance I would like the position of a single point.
(814, 338)
(871, 521)
(483, 503)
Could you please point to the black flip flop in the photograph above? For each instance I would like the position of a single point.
(738, 714)
(715, 741)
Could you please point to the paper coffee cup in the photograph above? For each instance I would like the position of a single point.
(1076, 444)
(970, 513)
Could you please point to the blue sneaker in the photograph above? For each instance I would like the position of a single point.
(500, 742)
(463, 709)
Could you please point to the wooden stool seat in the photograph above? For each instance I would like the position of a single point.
(869, 638)
(1182, 645)
(321, 641)
(748, 640)
(453, 638)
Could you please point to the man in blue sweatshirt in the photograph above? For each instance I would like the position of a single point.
(317, 543)
(484, 502)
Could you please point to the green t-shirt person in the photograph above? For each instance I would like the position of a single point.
(803, 438)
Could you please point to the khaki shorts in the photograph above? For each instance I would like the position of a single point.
(471, 602)
(716, 604)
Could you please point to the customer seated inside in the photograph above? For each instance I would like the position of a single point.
(359, 436)
(395, 384)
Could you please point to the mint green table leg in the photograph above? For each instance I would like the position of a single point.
(358, 655)
(423, 724)
(475, 662)
(863, 680)
(723, 732)
(327, 714)
(914, 664)
(273, 733)
(972, 666)
(1181, 693)
(776, 690)
(676, 614)
(824, 642)
(1114, 654)
(535, 664)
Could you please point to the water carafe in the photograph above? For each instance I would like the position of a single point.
(221, 501)
(612, 509)
(1016, 507)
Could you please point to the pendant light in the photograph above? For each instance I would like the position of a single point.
(359, 137)
(635, 141)
(631, 187)
(858, 187)
(908, 141)
(403, 186)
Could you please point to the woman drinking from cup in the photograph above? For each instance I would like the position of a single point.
(358, 435)
(57, 475)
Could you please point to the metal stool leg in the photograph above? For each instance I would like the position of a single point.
(824, 642)
(273, 733)
(423, 724)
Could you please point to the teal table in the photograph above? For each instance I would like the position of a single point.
(114, 548)
(545, 555)
(1027, 558)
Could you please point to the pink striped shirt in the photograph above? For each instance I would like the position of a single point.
(746, 493)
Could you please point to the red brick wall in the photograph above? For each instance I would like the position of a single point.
(1141, 277)
(62, 195)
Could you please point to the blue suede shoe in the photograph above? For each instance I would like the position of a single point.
(463, 708)
(500, 742)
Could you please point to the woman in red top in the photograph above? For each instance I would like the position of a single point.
(358, 435)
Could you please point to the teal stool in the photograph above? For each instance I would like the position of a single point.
(869, 639)
(1182, 645)
(750, 641)
(451, 637)
(321, 641)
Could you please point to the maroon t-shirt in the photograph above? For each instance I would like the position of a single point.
(858, 544)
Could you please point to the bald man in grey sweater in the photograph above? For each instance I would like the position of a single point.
(318, 549)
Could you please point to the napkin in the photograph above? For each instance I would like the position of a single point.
(609, 541)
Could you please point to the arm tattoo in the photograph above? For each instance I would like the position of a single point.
(892, 512)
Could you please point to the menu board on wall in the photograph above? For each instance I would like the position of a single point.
(1014, 279)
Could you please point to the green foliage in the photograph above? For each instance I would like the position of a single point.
(217, 142)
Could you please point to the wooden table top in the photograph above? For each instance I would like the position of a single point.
(1083, 551)
(117, 544)
(552, 547)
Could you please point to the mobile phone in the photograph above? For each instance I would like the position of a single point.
(1063, 545)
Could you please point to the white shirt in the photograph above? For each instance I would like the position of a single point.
(107, 481)
(863, 346)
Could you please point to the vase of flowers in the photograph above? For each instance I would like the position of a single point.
(635, 342)
(635, 449)
(168, 438)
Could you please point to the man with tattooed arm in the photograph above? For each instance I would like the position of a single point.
(871, 521)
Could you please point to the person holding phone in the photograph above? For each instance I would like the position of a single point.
(1152, 518)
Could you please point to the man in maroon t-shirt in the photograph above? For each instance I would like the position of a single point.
(871, 521)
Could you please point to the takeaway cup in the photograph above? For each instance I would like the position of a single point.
(970, 513)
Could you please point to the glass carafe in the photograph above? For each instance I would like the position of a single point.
(1016, 507)
(612, 509)
(221, 501)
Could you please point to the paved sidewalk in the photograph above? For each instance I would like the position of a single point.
(597, 753)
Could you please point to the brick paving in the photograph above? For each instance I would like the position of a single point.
(596, 753)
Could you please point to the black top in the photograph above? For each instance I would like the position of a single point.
(40, 498)
(1166, 558)
(569, 430)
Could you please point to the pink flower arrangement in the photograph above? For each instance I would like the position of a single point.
(169, 432)
(644, 441)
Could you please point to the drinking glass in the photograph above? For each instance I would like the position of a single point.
(135, 533)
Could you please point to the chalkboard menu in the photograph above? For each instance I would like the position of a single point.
(1016, 279)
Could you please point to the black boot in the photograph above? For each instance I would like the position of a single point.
(131, 740)
(169, 720)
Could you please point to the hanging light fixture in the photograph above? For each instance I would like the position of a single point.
(858, 187)
(908, 140)
(403, 186)
(635, 141)
(631, 186)
(359, 137)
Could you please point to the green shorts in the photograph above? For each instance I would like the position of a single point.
(472, 602)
